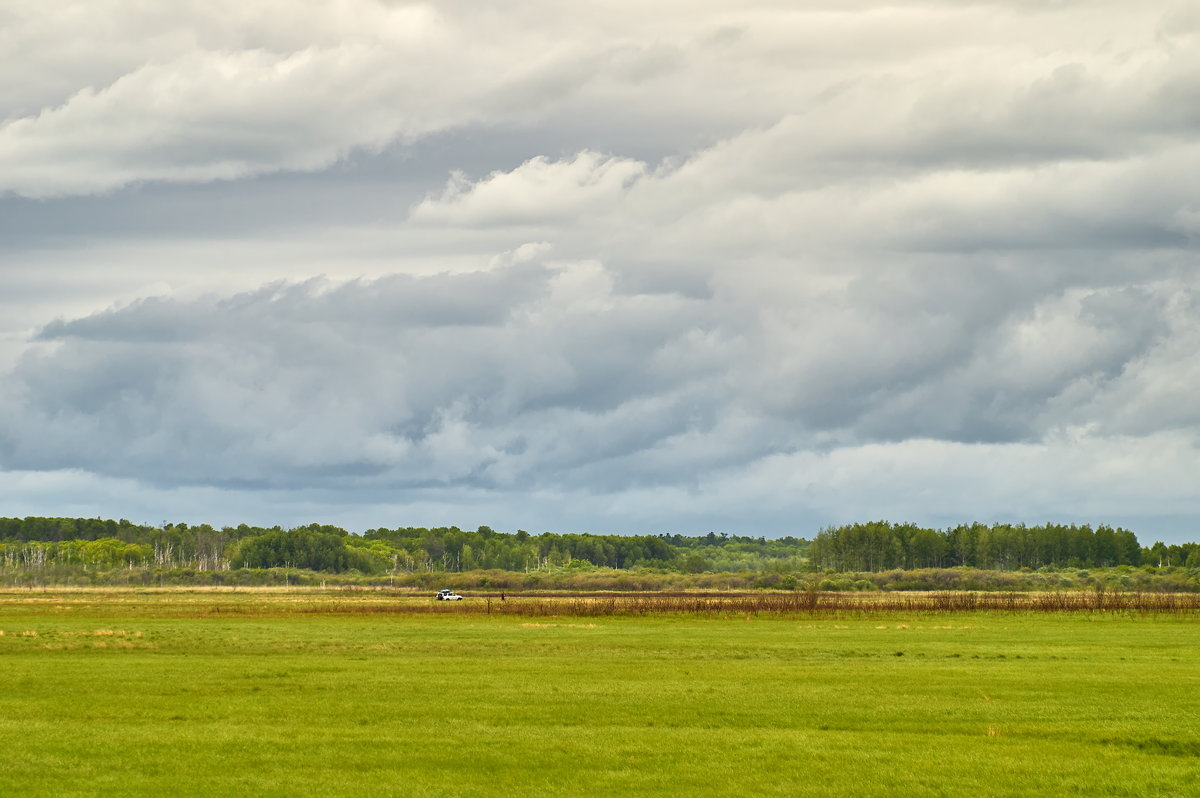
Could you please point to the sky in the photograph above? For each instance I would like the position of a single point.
(614, 267)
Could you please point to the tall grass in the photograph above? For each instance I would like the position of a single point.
(818, 602)
(809, 602)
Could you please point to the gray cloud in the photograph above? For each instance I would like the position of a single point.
(432, 379)
(531, 376)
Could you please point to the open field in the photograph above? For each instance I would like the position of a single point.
(302, 692)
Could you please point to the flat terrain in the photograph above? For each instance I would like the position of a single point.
(302, 693)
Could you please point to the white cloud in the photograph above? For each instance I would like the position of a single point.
(221, 91)
(537, 192)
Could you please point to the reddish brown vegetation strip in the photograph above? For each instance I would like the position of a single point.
(804, 602)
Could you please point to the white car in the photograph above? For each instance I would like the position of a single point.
(448, 595)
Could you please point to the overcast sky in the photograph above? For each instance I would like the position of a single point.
(752, 267)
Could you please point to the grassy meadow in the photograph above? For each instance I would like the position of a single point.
(321, 693)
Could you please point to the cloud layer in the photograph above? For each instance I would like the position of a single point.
(739, 266)
(535, 377)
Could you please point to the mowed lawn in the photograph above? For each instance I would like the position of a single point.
(126, 694)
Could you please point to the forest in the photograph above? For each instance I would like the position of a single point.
(94, 543)
(881, 546)
(59, 547)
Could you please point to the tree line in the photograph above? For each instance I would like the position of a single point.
(882, 546)
(74, 544)
(67, 543)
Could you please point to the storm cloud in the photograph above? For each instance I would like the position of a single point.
(752, 267)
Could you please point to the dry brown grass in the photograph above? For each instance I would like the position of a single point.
(778, 603)
(193, 602)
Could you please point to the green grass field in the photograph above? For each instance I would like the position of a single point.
(191, 693)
